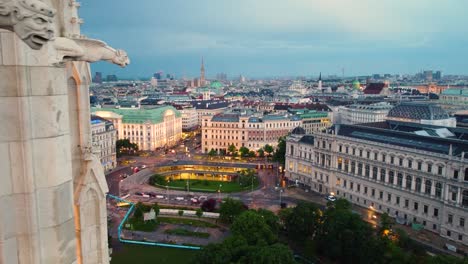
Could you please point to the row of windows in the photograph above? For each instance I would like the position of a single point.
(389, 176)
(391, 159)
(388, 198)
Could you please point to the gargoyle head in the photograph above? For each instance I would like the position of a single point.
(121, 58)
(32, 22)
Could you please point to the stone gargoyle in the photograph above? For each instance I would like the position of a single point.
(89, 50)
(31, 20)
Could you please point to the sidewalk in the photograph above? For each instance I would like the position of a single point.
(423, 236)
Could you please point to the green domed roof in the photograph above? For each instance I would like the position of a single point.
(356, 85)
(216, 84)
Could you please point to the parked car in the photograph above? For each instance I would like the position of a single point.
(151, 194)
(331, 198)
(202, 198)
(159, 196)
(139, 193)
(194, 201)
(180, 198)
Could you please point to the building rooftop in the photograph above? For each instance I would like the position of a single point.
(376, 106)
(225, 118)
(140, 116)
(456, 92)
(374, 88)
(406, 135)
(418, 111)
(298, 131)
(209, 104)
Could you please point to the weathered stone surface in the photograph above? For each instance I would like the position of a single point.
(45, 170)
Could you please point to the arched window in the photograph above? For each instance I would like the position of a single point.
(438, 189)
(418, 184)
(409, 180)
(465, 198)
(427, 188)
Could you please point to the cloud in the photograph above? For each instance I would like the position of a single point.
(339, 31)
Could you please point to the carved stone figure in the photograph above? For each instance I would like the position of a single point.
(31, 20)
(89, 50)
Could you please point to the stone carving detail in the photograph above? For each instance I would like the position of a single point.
(89, 50)
(31, 20)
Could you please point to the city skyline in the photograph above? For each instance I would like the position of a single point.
(275, 38)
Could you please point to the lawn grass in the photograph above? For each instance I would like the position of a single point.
(185, 232)
(210, 186)
(150, 255)
(140, 225)
(185, 221)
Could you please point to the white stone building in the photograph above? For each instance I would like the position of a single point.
(362, 113)
(189, 119)
(149, 128)
(389, 168)
(222, 130)
(104, 136)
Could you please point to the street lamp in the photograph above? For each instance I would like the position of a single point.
(219, 192)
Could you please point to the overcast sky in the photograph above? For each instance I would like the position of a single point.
(260, 38)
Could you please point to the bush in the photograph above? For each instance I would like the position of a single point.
(181, 212)
(199, 212)
(209, 205)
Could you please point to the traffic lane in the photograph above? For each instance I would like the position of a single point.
(113, 179)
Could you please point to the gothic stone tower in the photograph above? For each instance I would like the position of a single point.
(52, 195)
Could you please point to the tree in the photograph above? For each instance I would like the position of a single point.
(280, 152)
(244, 151)
(181, 212)
(268, 149)
(209, 205)
(247, 177)
(273, 254)
(271, 219)
(253, 228)
(302, 223)
(124, 146)
(251, 153)
(261, 153)
(232, 149)
(230, 209)
(199, 212)
(212, 153)
(140, 209)
(385, 223)
(344, 237)
(155, 207)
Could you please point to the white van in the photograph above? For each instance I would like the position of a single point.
(160, 196)
(179, 198)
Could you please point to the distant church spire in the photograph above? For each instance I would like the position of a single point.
(202, 72)
(320, 81)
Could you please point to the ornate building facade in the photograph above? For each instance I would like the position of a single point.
(391, 168)
(104, 137)
(148, 128)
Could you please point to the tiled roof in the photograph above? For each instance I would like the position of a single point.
(400, 137)
(374, 88)
(140, 116)
(418, 111)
